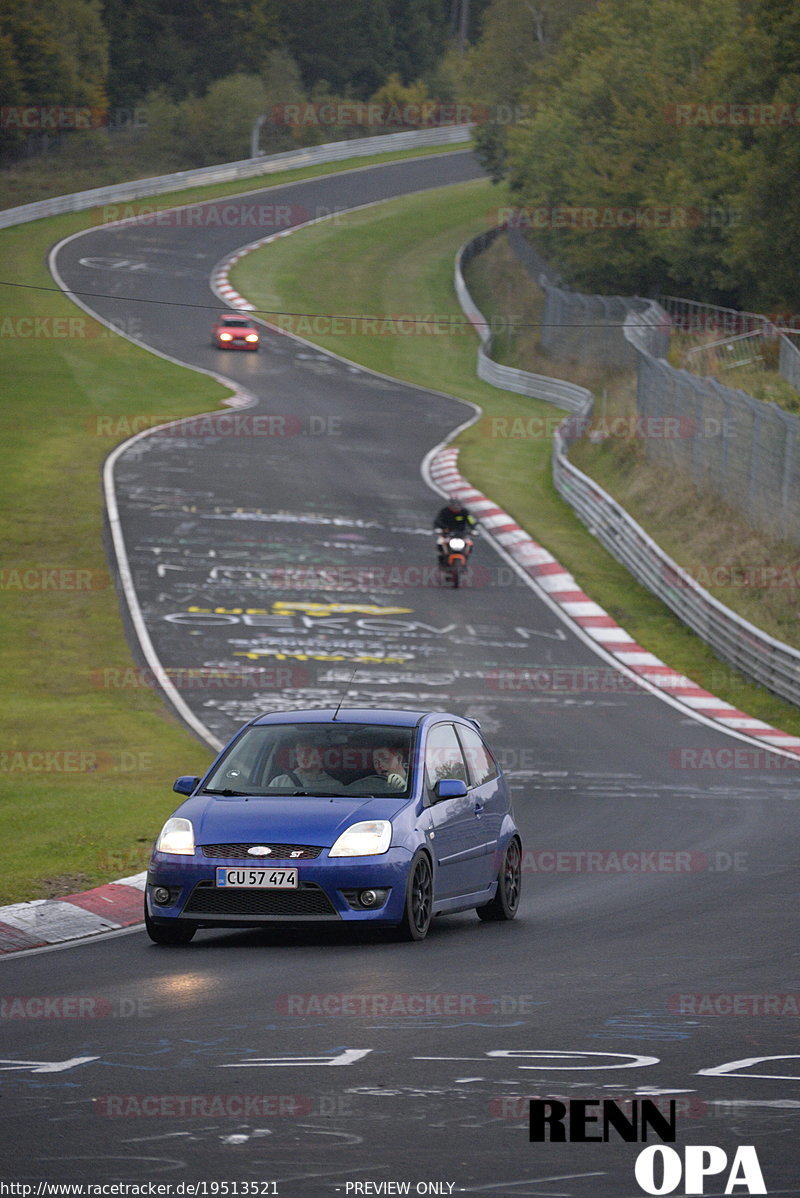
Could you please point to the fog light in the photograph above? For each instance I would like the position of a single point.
(161, 894)
(369, 898)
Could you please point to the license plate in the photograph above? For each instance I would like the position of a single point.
(263, 879)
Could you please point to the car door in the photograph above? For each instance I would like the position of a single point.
(488, 799)
(454, 842)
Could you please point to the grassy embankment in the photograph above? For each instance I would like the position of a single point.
(706, 536)
(398, 258)
(86, 766)
(99, 160)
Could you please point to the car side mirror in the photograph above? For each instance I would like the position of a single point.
(185, 785)
(449, 788)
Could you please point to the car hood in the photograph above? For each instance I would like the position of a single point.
(287, 820)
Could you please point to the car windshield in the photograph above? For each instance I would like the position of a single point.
(236, 324)
(316, 759)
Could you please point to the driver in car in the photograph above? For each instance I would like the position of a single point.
(388, 763)
(308, 773)
(390, 772)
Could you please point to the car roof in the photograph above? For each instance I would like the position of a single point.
(351, 715)
(233, 316)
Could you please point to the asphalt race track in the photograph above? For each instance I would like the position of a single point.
(283, 559)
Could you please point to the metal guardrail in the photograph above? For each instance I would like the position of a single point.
(246, 168)
(789, 362)
(745, 349)
(559, 392)
(755, 653)
(689, 316)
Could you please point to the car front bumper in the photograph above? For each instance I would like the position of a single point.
(328, 890)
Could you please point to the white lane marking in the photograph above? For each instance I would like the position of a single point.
(727, 1070)
(528, 1181)
(347, 1057)
(8, 1064)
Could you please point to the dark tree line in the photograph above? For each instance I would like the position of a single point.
(660, 143)
(90, 51)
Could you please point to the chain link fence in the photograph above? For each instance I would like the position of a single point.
(707, 413)
(743, 450)
(575, 327)
(789, 363)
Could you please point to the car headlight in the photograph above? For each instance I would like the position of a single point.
(251, 337)
(366, 839)
(226, 336)
(177, 836)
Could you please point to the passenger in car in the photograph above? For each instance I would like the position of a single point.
(308, 772)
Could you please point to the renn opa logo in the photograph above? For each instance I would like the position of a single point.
(659, 1169)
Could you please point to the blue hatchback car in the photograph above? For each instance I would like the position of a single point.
(364, 816)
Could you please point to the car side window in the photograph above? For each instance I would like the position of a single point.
(482, 766)
(443, 756)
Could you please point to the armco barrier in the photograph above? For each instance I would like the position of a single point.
(770, 662)
(247, 168)
(556, 391)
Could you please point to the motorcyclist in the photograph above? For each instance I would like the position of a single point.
(452, 518)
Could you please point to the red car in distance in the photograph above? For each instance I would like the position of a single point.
(233, 330)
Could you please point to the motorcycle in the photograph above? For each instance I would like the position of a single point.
(454, 551)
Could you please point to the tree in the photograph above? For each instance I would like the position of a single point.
(199, 41)
(347, 46)
(621, 188)
(517, 36)
(419, 33)
(205, 129)
(46, 72)
(763, 65)
(51, 56)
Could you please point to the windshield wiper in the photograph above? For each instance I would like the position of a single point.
(227, 794)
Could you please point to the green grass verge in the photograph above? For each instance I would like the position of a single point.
(750, 572)
(398, 258)
(86, 768)
(191, 195)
